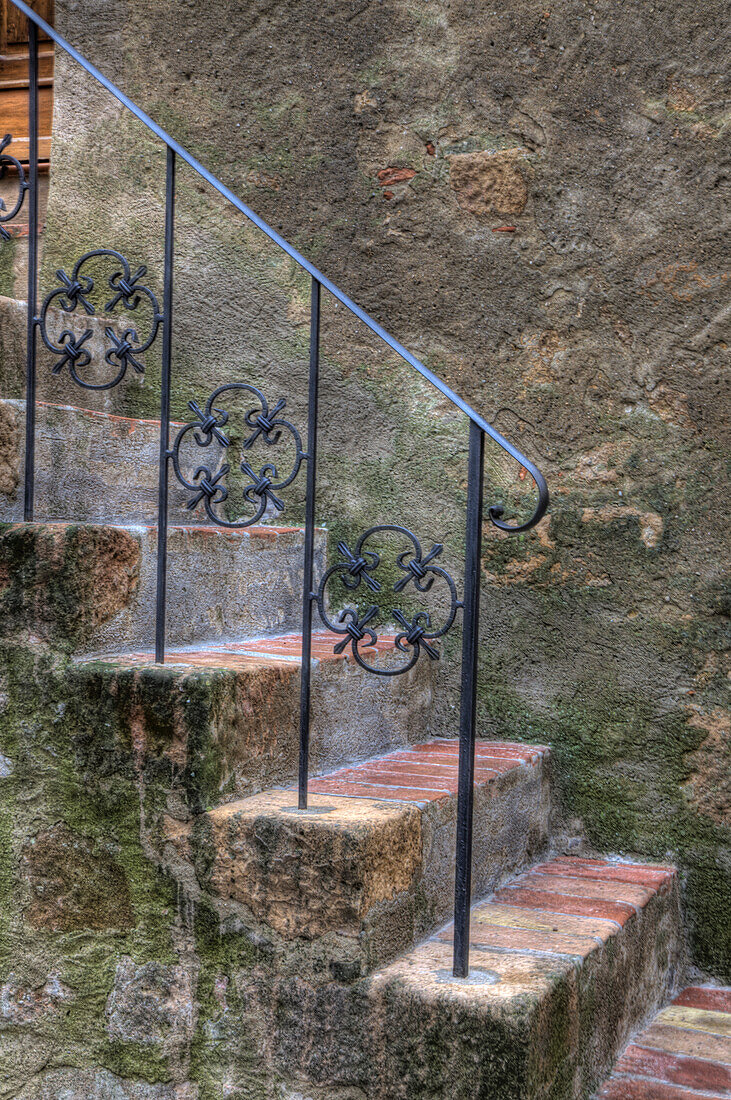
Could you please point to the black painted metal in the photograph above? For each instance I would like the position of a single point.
(74, 291)
(265, 484)
(307, 593)
(7, 160)
(355, 571)
(495, 511)
(167, 333)
(30, 368)
(470, 642)
(358, 566)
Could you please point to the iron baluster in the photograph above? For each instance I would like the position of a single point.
(7, 160)
(167, 328)
(468, 703)
(307, 594)
(358, 567)
(30, 366)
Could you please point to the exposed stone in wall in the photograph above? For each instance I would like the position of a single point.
(73, 884)
(489, 183)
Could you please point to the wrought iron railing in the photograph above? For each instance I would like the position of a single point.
(264, 423)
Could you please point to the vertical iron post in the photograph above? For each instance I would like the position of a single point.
(167, 328)
(468, 708)
(307, 595)
(30, 364)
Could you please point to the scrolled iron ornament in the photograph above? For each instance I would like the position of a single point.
(264, 484)
(74, 293)
(9, 161)
(356, 567)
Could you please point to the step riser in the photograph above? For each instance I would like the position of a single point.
(90, 467)
(237, 731)
(376, 876)
(93, 588)
(60, 389)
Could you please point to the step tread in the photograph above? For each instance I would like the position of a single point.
(555, 909)
(567, 965)
(685, 1052)
(238, 656)
(372, 858)
(423, 773)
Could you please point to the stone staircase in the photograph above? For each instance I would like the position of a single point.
(340, 910)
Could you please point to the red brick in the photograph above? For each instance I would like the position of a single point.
(636, 1088)
(495, 749)
(355, 790)
(608, 872)
(676, 1069)
(414, 766)
(686, 1040)
(526, 939)
(705, 996)
(626, 892)
(563, 903)
(384, 778)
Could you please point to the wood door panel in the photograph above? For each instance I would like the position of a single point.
(14, 26)
(14, 120)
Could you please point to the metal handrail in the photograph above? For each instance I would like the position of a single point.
(357, 566)
(305, 264)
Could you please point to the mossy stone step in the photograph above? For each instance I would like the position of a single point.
(224, 718)
(553, 995)
(90, 588)
(370, 865)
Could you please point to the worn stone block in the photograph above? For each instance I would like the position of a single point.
(92, 588)
(373, 862)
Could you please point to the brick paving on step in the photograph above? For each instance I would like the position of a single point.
(568, 906)
(685, 1053)
(241, 655)
(425, 773)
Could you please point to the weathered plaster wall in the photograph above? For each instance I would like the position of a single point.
(530, 197)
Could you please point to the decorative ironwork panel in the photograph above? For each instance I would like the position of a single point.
(122, 351)
(262, 424)
(8, 161)
(357, 568)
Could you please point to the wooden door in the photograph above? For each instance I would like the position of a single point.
(14, 79)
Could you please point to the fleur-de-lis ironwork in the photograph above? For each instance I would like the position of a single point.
(75, 292)
(9, 161)
(358, 566)
(264, 484)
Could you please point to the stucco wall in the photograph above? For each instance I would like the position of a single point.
(531, 197)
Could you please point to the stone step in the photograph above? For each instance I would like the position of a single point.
(91, 467)
(92, 587)
(685, 1053)
(227, 715)
(368, 869)
(567, 960)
